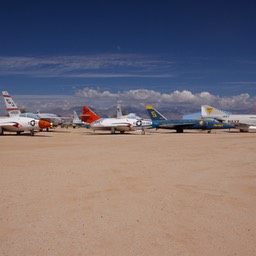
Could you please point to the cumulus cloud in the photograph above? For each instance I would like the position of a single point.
(139, 98)
(144, 97)
(237, 102)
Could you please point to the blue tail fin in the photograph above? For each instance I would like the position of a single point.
(154, 114)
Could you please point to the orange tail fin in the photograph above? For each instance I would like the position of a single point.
(88, 115)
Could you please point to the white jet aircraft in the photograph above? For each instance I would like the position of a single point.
(20, 124)
(243, 122)
(119, 113)
(121, 124)
(77, 122)
(74, 121)
(13, 110)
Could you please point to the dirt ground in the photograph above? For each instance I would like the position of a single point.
(74, 192)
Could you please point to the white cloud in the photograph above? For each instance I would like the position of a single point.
(237, 102)
(180, 98)
(135, 98)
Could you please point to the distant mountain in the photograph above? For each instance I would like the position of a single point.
(111, 112)
(170, 112)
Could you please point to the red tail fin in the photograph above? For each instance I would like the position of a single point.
(88, 115)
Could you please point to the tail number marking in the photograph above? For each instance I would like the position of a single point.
(153, 113)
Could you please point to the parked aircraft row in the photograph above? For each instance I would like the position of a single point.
(121, 123)
(46, 120)
(132, 122)
(13, 110)
(20, 123)
(161, 122)
(212, 118)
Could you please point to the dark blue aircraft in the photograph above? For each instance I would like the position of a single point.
(161, 122)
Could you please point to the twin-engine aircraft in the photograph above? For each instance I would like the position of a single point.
(121, 124)
(243, 122)
(159, 121)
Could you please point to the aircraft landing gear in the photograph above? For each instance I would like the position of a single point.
(32, 133)
(1, 131)
(142, 132)
(112, 130)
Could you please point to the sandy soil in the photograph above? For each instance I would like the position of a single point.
(73, 192)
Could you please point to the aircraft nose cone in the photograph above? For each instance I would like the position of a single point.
(44, 124)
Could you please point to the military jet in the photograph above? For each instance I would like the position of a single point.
(242, 122)
(74, 121)
(21, 124)
(13, 110)
(161, 122)
(121, 124)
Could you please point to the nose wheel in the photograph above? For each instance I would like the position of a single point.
(32, 132)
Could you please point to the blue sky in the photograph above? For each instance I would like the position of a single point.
(65, 47)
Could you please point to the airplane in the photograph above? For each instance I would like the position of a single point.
(13, 110)
(75, 122)
(121, 124)
(88, 115)
(21, 124)
(159, 121)
(242, 122)
(119, 113)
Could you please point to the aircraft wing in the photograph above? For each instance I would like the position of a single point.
(241, 124)
(217, 118)
(10, 125)
(118, 126)
(7, 124)
(121, 126)
(237, 124)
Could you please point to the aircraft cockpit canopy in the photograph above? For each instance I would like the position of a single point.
(30, 115)
(133, 116)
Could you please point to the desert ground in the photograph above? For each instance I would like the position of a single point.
(75, 192)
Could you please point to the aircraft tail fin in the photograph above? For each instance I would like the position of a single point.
(88, 115)
(208, 111)
(154, 114)
(11, 107)
(119, 111)
(75, 116)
